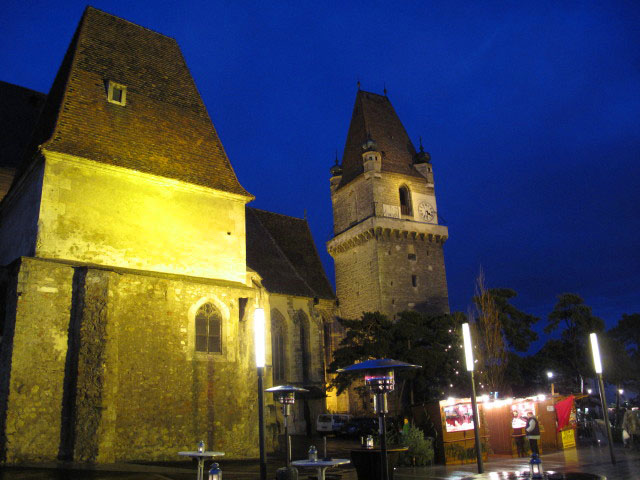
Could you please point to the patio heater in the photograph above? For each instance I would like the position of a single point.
(286, 396)
(379, 378)
(597, 364)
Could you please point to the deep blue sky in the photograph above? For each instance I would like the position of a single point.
(530, 110)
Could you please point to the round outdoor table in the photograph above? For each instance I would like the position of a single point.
(368, 461)
(201, 456)
(320, 465)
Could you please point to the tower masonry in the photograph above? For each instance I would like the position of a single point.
(387, 242)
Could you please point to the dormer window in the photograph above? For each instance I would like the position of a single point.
(117, 93)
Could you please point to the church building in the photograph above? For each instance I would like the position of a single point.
(132, 268)
(131, 265)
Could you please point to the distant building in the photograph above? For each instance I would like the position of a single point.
(133, 267)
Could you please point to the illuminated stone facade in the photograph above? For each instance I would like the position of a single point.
(133, 268)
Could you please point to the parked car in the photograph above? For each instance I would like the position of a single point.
(331, 422)
(360, 427)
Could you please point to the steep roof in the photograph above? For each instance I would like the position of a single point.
(281, 249)
(374, 116)
(164, 129)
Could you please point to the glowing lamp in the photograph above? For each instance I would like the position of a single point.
(215, 473)
(597, 363)
(468, 351)
(535, 467)
(258, 330)
(549, 374)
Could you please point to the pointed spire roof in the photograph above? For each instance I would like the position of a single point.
(164, 128)
(374, 117)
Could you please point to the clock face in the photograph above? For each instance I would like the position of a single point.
(427, 212)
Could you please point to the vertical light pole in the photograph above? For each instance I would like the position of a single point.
(468, 354)
(258, 328)
(597, 364)
(550, 377)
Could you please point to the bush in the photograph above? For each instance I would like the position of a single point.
(420, 451)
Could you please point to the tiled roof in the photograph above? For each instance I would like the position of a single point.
(281, 249)
(19, 111)
(374, 115)
(164, 129)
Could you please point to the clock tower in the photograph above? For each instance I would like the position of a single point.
(387, 242)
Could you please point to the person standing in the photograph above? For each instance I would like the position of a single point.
(533, 432)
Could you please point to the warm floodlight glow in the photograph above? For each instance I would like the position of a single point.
(258, 327)
(589, 391)
(468, 352)
(541, 398)
(620, 391)
(550, 374)
(596, 353)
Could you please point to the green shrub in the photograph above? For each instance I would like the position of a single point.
(420, 451)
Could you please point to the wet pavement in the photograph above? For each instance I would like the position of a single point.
(587, 459)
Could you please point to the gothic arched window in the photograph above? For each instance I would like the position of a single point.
(208, 329)
(405, 201)
(303, 324)
(277, 346)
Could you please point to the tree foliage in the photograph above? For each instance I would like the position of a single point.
(431, 341)
(488, 339)
(575, 321)
(517, 326)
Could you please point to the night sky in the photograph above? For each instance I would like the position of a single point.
(530, 110)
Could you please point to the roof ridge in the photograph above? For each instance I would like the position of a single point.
(273, 240)
(24, 88)
(128, 21)
(276, 213)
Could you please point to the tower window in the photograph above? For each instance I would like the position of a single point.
(405, 201)
(208, 329)
(411, 256)
(116, 93)
(414, 280)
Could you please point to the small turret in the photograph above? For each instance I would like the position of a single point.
(371, 158)
(422, 163)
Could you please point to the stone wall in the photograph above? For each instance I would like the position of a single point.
(20, 213)
(106, 215)
(103, 368)
(300, 312)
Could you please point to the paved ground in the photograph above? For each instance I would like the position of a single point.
(584, 459)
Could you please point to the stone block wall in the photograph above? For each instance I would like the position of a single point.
(102, 367)
(357, 279)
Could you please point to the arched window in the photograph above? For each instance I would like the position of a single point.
(277, 346)
(405, 201)
(208, 329)
(303, 325)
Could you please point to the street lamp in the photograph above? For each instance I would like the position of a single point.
(379, 377)
(597, 364)
(550, 377)
(468, 355)
(258, 329)
(286, 396)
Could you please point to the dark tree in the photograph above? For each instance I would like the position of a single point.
(431, 341)
(517, 326)
(575, 321)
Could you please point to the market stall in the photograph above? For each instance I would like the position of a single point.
(501, 426)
